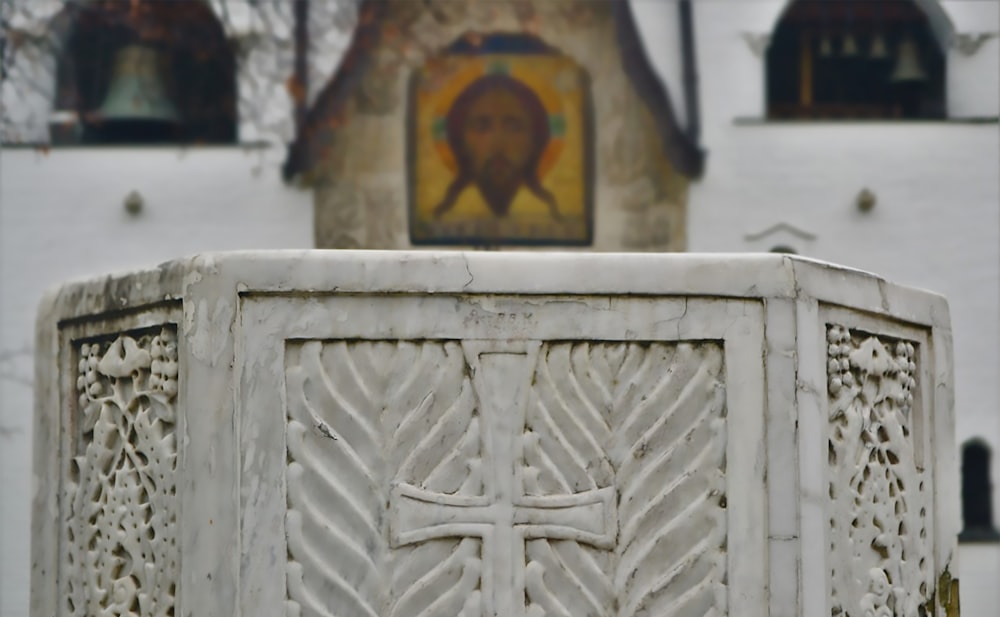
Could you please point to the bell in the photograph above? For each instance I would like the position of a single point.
(877, 51)
(137, 107)
(850, 48)
(908, 63)
(825, 47)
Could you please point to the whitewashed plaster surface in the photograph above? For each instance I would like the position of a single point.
(62, 217)
(394, 433)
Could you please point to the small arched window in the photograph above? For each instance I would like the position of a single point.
(145, 72)
(977, 494)
(855, 59)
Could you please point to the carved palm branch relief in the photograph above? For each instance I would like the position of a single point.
(343, 398)
(669, 453)
(522, 479)
(566, 438)
(438, 458)
(879, 501)
(120, 529)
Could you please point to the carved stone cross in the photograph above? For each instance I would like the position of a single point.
(504, 517)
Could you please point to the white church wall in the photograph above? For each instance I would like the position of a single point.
(974, 80)
(658, 22)
(974, 60)
(730, 72)
(936, 222)
(62, 217)
(972, 15)
(979, 564)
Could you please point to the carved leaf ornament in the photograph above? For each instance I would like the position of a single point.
(522, 479)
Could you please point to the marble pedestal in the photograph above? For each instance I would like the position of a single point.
(437, 434)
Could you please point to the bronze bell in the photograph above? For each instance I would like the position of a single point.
(850, 47)
(137, 107)
(908, 81)
(908, 67)
(878, 51)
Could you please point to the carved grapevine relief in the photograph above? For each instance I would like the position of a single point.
(526, 479)
(120, 529)
(879, 515)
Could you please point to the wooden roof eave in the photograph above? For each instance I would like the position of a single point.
(685, 155)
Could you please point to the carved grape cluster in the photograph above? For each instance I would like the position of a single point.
(102, 364)
(163, 368)
(89, 383)
(838, 368)
(851, 362)
(907, 374)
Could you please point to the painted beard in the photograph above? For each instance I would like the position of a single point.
(498, 181)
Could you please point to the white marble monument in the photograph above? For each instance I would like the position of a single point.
(432, 434)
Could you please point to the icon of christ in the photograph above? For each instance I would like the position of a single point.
(498, 130)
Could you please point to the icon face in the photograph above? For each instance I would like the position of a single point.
(500, 148)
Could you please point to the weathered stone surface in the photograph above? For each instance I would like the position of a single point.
(399, 434)
(619, 178)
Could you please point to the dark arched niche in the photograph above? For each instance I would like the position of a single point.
(198, 70)
(857, 59)
(977, 494)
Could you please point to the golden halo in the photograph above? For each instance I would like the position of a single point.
(473, 69)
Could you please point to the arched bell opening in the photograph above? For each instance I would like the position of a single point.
(977, 494)
(855, 59)
(145, 72)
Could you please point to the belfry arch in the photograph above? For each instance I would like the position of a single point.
(852, 59)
